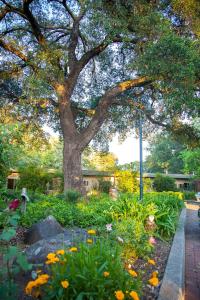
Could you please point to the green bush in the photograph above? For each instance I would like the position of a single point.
(127, 181)
(164, 183)
(104, 186)
(34, 178)
(101, 210)
(189, 195)
(8, 195)
(72, 195)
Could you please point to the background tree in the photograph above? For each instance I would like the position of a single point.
(99, 160)
(191, 159)
(164, 183)
(191, 155)
(132, 166)
(164, 155)
(79, 63)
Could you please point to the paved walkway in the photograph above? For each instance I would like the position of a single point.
(192, 253)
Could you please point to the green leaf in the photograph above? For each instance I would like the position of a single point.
(13, 220)
(12, 252)
(7, 234)
(23, 263)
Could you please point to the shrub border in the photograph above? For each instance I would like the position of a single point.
(173, 283)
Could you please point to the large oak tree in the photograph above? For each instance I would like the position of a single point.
(93, 65)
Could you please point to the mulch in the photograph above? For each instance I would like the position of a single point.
(160, 256)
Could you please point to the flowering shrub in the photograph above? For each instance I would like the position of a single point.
(94, 271)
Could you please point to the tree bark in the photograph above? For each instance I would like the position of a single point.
(72, 150)
(72, 168)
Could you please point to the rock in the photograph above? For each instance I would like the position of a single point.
(37, 252)
(43, 229)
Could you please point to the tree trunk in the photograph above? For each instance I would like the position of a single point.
(72, 168)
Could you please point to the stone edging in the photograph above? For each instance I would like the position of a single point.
(173, 284)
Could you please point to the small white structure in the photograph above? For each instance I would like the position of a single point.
(197, 195)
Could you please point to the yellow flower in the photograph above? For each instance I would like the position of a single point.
(65, 284)
(106, 274)
(119, 295)
(51, 255)
(60, 252)
(154, 281)
(29, 287)
(134, 295)
(91, 231)
(42, 279)
(89, 241)
(73, 249)
(52, 261)
(151, 262)
(155, 274)
(132, 273)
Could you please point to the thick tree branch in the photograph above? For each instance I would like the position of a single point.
(92, 53)
(64, 3)
(15, 29)
(33, 22)
(3, 13)
(9, 47)
(102, 110)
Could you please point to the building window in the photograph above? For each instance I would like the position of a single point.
(186, 186)
(181, 186)
(85, 182)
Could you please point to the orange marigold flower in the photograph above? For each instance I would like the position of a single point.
(89, 241)
(52, 261)
(42, 279)
(51, 255)
(30, 285)
(132, 273)
(154, 281)
(119, 295)
(134, 295)
(73, 249)
(65, 284)
(151, 262)
(106, 274)
(154, 274)
(60, 252)
(91, 231)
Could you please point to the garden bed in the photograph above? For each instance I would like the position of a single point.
(130, 235)
(141, 266)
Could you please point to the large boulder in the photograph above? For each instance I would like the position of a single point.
(43, 229)
(37, 252)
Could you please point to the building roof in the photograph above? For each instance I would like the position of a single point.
(175, 176)
(97, 173)
(13, 175)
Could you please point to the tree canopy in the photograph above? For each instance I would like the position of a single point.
(88, 68)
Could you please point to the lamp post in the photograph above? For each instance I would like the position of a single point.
(141, 156)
